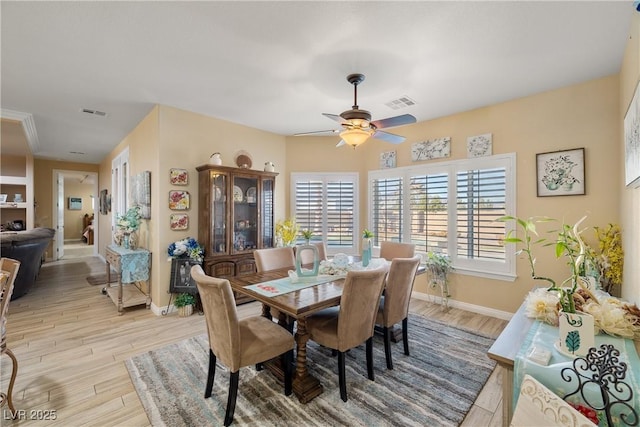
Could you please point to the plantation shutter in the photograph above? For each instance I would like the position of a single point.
(429, 212)
(387, 208)
(481, 199)
(326, 205)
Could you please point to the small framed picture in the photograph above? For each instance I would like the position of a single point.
(75, 203)
(561, 173)
(178, 176)
(178, 200)
(3, 198)
(179, 221)
(388, 160)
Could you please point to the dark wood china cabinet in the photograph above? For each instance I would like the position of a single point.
(236, 209)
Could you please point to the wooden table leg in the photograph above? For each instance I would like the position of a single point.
(305, 386)
(120, 297)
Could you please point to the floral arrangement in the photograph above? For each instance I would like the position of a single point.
(610, 315)
(287, 231)
(189, 247)
(366, 234)
(610, 260)
(130, 221)
(307, 234)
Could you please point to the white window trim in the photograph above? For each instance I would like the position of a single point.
(118, 185)
(480, 268)
(326, 177)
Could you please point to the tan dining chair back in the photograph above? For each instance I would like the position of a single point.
(390, 250)
(9, 270)
(394, 305)
(238, 343)
(307, 256)
(351, 324)
(274, 258)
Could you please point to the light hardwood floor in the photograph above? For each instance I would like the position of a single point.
(71, 346)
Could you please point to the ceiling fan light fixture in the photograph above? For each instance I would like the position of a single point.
(355, 137)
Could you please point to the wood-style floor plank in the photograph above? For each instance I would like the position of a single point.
(71, 346)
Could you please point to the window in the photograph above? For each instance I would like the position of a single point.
(451, 208)
(326, 203)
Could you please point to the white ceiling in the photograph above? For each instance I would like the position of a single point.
(277, 66)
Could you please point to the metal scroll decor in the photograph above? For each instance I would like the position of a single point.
(600, 384)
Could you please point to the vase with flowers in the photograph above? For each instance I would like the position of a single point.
(187, 247)
(126, 227)
(287, 232)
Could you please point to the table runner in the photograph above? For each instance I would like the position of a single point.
(134, 264)
(285, 285)
(543, 336)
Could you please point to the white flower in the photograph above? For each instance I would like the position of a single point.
(543, 305)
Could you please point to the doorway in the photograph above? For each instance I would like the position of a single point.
(75, 208)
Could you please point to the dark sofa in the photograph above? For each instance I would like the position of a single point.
(27, 247)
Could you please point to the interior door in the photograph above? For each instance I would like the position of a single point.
(60, 217)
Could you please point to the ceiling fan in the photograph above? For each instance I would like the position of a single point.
(357, 125)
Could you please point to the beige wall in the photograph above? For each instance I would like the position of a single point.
(173, 138)
(629, 197)
(587, 115)
(584, 115)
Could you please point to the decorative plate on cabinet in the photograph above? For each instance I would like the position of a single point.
(243, 159)
(251, 194)
(238, 194)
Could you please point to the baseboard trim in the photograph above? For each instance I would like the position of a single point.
(498, 314)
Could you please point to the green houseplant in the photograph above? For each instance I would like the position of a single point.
(439, 265)
(185, 302)
(307, 234)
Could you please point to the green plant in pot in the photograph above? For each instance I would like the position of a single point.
(576, 329)
(307, 235)
(439, 265)
(184, 303)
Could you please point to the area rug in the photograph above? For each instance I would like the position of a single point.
(101, 279)
(435, 386)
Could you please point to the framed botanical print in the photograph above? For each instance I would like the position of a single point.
(561, 173)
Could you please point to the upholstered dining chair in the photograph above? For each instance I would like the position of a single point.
(8, 272)
(274, 258)
(349, 325)
(394, 304)
(390, 250)
(238, 343)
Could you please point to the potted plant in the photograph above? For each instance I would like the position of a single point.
(307, 234)
(439, 265)
(367, 245)
(185, 302)
(576, 328)
(127, 225)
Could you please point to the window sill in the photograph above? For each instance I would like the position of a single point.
(507, 277)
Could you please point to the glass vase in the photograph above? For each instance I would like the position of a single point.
(366, 251)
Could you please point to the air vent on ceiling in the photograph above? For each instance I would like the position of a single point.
(94, 112)
(401, 102)
(76, 152)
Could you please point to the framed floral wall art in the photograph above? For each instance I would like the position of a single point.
(561, 173)
(632, 142)
(388, 160)
(178, 200)
(431, 149)
(479, 145)
(179, 221)
(178, 176)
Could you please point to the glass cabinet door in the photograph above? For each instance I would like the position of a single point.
(219, 213)
(267, 201)
(245, 213)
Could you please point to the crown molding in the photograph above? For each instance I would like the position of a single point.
(28, 125)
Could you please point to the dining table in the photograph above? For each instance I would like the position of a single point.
(294, 306)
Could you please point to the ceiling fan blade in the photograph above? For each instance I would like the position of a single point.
(341, 143)
(316, 132)
(335, 117)
(388, 137)
(390, 122)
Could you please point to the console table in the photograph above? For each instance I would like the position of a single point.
(134, 267)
